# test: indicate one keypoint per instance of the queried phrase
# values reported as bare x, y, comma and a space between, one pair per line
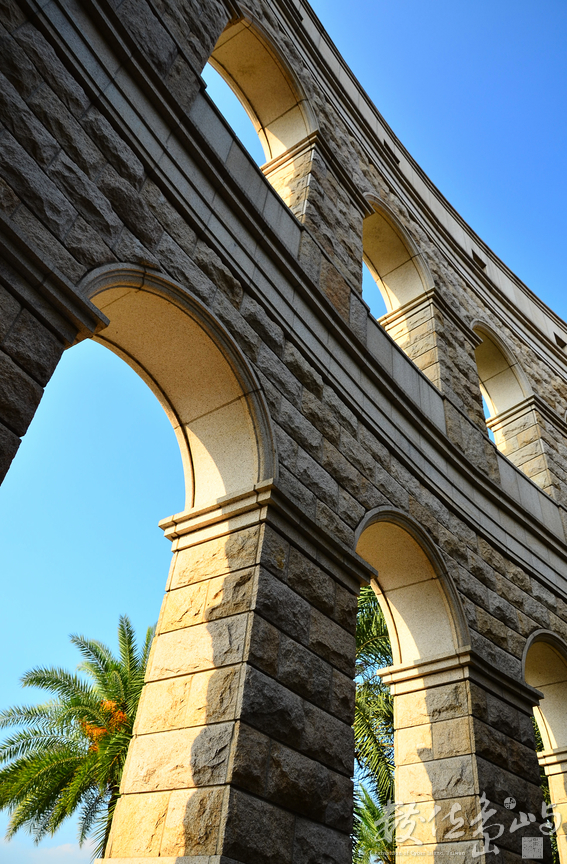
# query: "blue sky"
477, 93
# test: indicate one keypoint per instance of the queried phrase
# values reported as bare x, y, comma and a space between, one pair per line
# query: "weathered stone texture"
243, 743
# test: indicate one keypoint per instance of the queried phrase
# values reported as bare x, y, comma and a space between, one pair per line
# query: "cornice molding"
553, 761
62, 308
267, 503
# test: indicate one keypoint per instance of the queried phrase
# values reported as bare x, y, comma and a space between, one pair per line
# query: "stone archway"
267, 89
433, 743
187, 729
395, 263
545, 668
204, 385
273, 99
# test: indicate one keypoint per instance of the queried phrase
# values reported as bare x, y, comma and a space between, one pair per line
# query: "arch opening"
501, 379
395, 266
420, 607
426, 629
205, 387
233, 112
266, 88
546, 669
512, 417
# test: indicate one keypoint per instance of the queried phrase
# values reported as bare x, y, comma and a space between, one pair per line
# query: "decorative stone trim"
553, 761
430, 297
500, 421
460, 666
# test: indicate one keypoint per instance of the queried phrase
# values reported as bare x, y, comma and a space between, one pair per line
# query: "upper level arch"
502, 381
512, 415
265, 85
421, 606
199, 376
393, 259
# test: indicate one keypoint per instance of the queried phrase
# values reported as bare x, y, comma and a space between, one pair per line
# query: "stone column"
312, 180
439, 341
442, 345
243, 747
463, 745
289, 174
554, 763
532, 436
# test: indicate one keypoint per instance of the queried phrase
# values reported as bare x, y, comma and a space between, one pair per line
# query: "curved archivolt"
395, 266
198, 376
501, 379
546, 669
266, 88
422, 619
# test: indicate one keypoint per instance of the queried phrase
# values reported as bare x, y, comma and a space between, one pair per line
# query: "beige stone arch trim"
245, 56
544, 666
423, 612
503, 382
205, 385
393, 258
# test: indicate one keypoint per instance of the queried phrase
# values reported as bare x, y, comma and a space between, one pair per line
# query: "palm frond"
68, 754
57, 681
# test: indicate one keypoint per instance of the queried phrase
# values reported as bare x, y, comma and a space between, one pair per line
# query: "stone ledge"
465, 664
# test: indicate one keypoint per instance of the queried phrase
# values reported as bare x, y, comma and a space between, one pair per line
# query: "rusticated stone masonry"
321, 449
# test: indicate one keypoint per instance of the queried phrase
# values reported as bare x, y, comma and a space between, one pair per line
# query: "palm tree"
68, 754
373, 737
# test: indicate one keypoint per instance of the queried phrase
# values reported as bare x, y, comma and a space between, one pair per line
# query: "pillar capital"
230, 513
465, 664
553, 761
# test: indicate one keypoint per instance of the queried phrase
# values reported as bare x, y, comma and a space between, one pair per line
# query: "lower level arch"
189, 361
423, 612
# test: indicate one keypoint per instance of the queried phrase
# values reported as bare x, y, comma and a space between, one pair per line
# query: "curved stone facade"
322, 449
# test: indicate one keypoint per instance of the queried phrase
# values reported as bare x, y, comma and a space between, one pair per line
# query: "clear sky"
477, 94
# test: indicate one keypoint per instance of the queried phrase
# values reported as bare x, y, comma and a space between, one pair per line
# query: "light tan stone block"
413, 744
215, 557
436, 703
178, 759
195, 649
214, 696
437, 779
451, 738
192, 823
164, 705
183, 607
437, 824
229, 595
138, 825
